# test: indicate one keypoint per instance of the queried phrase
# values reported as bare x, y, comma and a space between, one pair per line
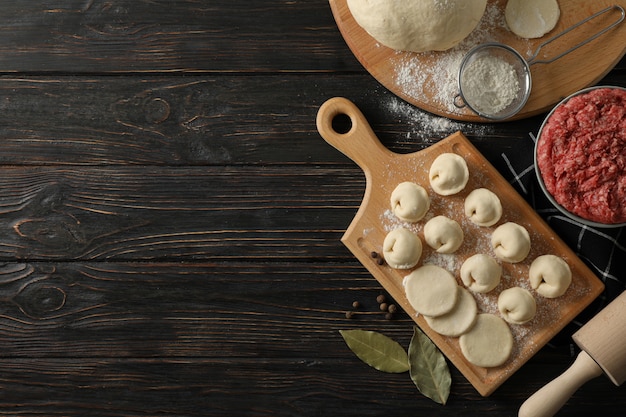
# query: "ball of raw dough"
409, 201
483, 207
488, 343
531, 18
418, 25
448, 174
550, 276
443, 234
402, 248
511, 242
431, 290
517, 305
481, 273
459, 320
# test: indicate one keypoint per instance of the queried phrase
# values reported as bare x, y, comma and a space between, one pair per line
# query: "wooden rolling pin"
603, 344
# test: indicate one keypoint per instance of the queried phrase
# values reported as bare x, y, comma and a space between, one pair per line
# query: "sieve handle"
532, 60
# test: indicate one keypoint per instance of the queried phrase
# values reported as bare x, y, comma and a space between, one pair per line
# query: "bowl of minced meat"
580, 156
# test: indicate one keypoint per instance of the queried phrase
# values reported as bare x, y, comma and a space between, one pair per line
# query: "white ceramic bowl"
540, 177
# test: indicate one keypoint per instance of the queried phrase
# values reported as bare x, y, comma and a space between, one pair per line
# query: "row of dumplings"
450, 309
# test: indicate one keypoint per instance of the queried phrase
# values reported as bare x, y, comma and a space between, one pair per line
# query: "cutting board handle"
549, 399
359, 142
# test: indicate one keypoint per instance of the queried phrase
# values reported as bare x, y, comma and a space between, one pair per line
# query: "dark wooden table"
171, 218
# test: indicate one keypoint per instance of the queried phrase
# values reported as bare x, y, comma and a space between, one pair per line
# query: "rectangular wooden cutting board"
384, 170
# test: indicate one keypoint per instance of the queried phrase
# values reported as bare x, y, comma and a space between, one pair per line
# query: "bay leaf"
377, 350
428, 368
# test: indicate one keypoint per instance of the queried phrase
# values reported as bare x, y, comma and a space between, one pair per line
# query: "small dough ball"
431, 290
402, 248
481, 273
550, 276
448, 174
418, 25
409, 201
511, 242
443, 234
517, 305
531, 18
483, 207
488, 343
459, 320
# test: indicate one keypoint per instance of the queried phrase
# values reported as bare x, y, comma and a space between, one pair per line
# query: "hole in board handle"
341, 123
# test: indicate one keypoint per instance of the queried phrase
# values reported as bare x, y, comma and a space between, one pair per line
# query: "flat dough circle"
483, 207
443, 234
460, 319
431, 290
550, 276
448, 174
517, 305
410, 202
481, 273
531, 18
511, 242
418, 25
402, 249
488, 343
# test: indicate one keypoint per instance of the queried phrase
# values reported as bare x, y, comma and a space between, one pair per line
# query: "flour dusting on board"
477, 240
441, 79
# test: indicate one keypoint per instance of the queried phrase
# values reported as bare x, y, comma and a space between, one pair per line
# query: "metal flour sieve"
517, 71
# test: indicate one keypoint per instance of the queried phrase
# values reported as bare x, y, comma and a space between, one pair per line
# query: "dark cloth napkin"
603, 250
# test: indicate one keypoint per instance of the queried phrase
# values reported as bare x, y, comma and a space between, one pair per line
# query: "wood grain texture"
170, 218
180, 213
161, 36
217, 120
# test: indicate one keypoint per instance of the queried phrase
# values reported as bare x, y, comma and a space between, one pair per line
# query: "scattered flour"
428, 127
440, 80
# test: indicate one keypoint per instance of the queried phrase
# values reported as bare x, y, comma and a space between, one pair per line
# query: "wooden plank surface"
171, 219
161, 36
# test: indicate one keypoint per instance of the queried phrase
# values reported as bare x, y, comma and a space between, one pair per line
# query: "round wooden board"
428, 80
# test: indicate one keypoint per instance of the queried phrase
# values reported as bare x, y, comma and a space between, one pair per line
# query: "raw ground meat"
581, 155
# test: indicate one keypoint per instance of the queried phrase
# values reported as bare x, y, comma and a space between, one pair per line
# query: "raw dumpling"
402, 248
483, 207
448, 174
459, 320
531, 18
511, 242
517, 305
481, 273
409, 201
431, 290
550, 276
488, 343
443, 234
